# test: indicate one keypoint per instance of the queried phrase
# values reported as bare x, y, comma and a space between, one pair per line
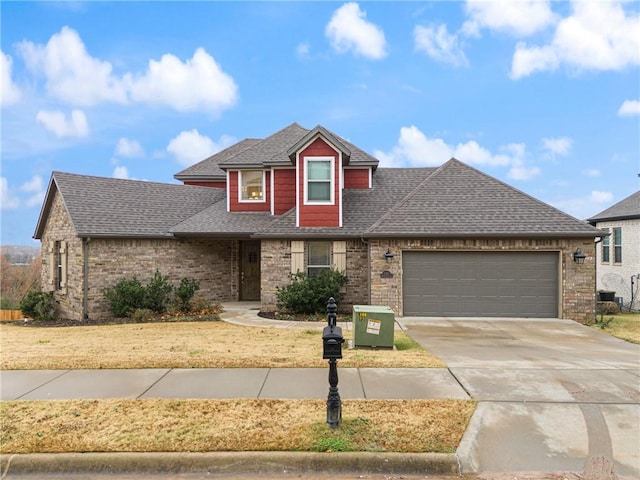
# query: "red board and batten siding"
319, 215
357, 178
284, 190
257, 206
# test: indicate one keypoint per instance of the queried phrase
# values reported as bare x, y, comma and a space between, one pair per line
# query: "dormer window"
251, 186
319, 180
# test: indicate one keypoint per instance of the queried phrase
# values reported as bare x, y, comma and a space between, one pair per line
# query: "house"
446, 241
618, 254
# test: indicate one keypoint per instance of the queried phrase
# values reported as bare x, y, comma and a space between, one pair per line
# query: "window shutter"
297, 256
52, 265
63, 261
340, 256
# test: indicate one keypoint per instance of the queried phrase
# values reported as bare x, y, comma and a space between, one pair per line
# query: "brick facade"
577, 295
214, 263
276, 270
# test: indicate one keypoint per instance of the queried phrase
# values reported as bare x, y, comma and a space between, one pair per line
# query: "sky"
544, 96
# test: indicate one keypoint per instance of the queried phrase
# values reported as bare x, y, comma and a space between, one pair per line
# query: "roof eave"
200, 178
616, 218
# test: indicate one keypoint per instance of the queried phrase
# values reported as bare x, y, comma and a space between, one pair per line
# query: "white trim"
297, 189
340, 188
264, 190
332, 180
229, 190
272, 198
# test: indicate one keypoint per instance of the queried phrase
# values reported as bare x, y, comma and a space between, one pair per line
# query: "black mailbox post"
332, 341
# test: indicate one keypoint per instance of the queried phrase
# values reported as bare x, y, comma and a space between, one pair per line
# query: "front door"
250, 270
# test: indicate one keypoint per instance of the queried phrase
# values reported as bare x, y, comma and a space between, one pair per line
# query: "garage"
483, 284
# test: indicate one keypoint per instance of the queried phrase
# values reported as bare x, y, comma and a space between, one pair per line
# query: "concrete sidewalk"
219, 383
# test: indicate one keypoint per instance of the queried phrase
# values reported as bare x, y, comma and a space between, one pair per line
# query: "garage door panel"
480, 284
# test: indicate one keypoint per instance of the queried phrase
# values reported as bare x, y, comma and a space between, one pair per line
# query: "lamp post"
332, 341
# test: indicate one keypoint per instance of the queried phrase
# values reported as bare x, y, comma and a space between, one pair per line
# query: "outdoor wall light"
388, 256
578, 256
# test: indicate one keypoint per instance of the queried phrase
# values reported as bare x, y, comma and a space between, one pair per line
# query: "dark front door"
250, 270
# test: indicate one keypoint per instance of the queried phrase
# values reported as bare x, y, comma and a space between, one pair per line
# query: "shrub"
39, 305
125, 296
157, 293
309, 294
141, 315
185, 292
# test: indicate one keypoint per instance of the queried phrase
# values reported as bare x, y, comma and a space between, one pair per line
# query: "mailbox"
332, 341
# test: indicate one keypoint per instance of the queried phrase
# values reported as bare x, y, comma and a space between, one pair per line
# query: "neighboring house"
618, 254
446, 241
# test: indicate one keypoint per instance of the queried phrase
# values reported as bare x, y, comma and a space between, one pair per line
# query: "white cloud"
190, 147
415, 149
303, 50
9, 93
35, 187
597, 36
557, 145
74, 76
129, 148
591, 172
57, 123
438, 44
197, 84
521, 18
601, 197
120, 172
348, 30
629, 108
8, 201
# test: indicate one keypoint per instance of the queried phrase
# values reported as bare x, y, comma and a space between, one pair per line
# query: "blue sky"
542, 95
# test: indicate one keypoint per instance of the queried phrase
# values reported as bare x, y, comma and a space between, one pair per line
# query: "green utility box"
373, 326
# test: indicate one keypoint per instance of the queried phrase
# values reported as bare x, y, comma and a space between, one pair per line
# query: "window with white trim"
251, 185
617, 245
606, 247
318, 257
319, 180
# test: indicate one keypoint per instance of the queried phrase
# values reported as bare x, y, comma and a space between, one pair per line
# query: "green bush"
125, 296
310, 293
39, 305
157, 293
185, 292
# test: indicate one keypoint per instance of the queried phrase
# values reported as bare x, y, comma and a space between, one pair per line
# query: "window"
318, 257
58, 256
319, 180
606, 247
251, 185
617, 245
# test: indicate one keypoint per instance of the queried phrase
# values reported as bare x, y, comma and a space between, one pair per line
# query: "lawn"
188, 345
624, 326
214, 425
231, 425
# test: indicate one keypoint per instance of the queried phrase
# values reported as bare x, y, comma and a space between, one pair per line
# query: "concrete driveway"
553, 395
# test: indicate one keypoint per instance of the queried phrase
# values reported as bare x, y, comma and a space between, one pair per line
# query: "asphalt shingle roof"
625, 209
112, 207
454, 200
458, 200
209, 166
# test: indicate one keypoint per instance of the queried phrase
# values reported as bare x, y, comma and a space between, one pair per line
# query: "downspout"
85, 283
368, 269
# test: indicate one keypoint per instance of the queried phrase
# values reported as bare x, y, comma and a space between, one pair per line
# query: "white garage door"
490, 284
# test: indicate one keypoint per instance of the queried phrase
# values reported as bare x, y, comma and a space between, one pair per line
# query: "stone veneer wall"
214, 263
577, 282
276, 269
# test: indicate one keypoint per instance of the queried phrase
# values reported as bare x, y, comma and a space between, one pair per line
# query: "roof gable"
458, 200
626, 209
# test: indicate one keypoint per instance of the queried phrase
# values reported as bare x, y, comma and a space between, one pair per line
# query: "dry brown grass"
187, 345
625, 326
230, 425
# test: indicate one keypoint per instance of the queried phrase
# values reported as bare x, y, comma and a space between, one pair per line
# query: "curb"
227, 462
